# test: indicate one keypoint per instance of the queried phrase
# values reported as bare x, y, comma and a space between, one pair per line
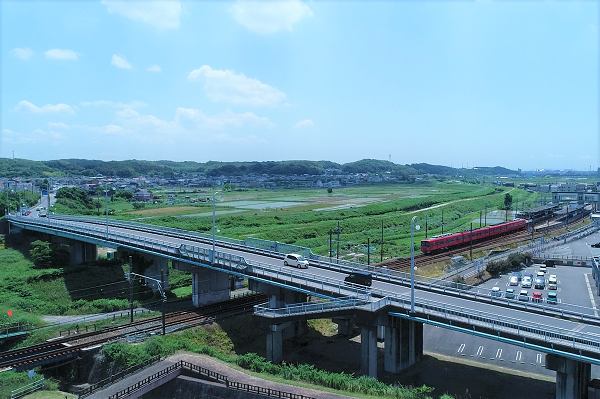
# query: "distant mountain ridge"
10, 168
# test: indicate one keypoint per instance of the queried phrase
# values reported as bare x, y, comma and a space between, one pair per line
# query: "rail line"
66, 346
517, 237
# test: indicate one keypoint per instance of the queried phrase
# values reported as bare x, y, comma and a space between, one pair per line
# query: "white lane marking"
538, 358
461, 348
499, 354
587, 281
480, 350
518, 357
578, 328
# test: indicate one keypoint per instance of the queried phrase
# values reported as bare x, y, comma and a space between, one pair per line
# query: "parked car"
514, 280
540, 283
551, 298
540, 274
543, 269
509, 294
295, 260
526, 282
523, 296
537, 297
552, 282
496, 291
517, 275
596, 245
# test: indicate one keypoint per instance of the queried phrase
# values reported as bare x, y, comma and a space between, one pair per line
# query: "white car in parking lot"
552, 282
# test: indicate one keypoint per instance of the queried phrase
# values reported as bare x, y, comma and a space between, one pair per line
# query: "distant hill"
10, 168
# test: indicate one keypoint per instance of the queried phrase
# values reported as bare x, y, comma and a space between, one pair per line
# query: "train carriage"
449, 241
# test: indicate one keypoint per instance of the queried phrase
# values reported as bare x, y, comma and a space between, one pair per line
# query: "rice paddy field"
305, 216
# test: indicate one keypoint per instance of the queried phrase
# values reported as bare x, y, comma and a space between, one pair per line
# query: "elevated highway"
570, 335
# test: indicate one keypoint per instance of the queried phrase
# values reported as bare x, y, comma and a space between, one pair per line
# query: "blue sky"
461, 83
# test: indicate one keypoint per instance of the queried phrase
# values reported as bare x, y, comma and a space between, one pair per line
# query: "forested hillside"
10, 168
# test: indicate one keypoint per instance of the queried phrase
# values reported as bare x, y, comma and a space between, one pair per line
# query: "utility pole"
131, 288
338, 230
425, 226
471, 248
368, 251
381, 241
443, 223
164, 299
330, 233
485, 216
479, 219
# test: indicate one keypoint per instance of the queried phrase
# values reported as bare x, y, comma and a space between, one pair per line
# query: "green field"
305, 216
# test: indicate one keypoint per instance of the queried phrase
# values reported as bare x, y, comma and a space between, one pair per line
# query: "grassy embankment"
460, 202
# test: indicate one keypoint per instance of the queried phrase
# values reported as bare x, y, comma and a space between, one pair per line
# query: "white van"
295, 260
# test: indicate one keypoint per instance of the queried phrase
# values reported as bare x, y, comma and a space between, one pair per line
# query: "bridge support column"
275, 343
209, 286
90, 252
76, 252
572, 376
368, 350
159, 264
403, 344
345, 325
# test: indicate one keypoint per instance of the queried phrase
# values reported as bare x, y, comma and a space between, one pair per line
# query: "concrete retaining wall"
184, 387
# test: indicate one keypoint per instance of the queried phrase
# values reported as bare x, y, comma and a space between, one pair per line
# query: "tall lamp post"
106, 202
213, 244
414, 220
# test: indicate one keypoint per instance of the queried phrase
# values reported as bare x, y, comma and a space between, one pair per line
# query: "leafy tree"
41, 253
128, 195
329, 190
138, 205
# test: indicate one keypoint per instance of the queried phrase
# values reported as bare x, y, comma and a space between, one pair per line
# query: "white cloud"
230, 87
160, 14
220, 120
60, 125
37, 136
61, 54
133, 104
29, 107
155, 68
269, 16
22, 53
303, 124
120, 62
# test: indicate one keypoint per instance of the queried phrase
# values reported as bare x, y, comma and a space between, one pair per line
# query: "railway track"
518, 237
66, 347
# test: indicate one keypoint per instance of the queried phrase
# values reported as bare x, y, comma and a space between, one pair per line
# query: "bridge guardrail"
224, 261
238, 264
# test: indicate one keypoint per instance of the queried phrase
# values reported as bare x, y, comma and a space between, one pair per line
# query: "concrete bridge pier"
158, 264
403, 344
208, 286
276, 333
80, 252
368, 350
572, 376
345, 324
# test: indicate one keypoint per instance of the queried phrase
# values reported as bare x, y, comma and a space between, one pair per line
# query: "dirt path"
448, 203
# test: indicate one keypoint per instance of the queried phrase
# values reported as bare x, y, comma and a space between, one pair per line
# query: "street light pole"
213, 243
412, 261
106, 202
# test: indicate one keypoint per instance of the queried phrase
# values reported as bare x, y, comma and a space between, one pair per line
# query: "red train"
448, 241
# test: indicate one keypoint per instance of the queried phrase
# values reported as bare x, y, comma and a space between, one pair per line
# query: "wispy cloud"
226, 86
269, 16
48, 108
155, 68
108, 103
159, 14
23, 53
60, 54
120, 62
304, 124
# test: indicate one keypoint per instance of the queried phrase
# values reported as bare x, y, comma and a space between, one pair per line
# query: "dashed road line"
461, 348
587, 281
